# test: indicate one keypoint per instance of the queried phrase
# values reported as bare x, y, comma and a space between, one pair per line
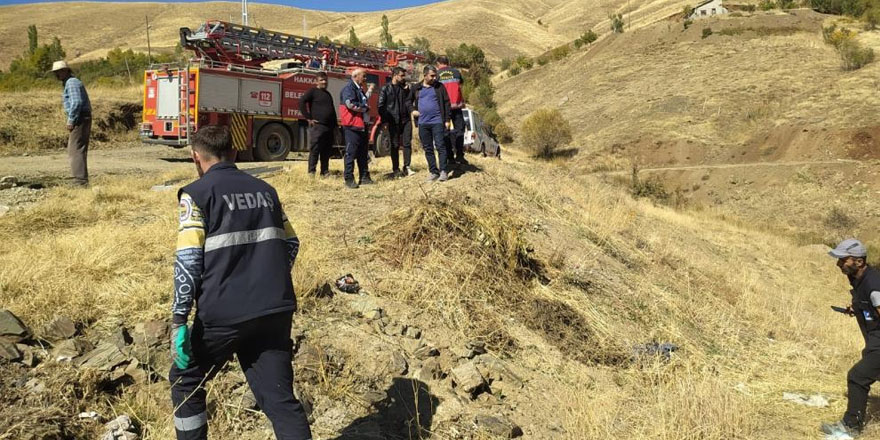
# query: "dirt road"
126, 160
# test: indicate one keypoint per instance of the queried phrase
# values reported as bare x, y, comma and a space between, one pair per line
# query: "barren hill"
505, 28
760, 88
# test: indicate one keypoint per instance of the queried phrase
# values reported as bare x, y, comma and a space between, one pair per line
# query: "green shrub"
616, 23
578, 43
687, 23
524, 62
503, 132
542, 60
767, 5
651, 188
589, 37
466, 55
515, 70
707, 32
853, 8
544, 131
687, 11
506, 63
854, 56
785, 4
872, 18
560, 52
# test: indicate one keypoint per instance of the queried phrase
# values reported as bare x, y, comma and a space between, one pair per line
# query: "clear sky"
324, 5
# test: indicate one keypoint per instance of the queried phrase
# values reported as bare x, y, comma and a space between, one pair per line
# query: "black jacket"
395, 103
866, 313
440, 91
246, 268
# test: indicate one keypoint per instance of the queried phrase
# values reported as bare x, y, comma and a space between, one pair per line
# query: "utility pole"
149, 50
244, 12
305, 30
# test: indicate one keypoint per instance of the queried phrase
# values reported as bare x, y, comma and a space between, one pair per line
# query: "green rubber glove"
181, 351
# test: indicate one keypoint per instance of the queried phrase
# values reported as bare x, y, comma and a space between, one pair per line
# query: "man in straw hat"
79, 121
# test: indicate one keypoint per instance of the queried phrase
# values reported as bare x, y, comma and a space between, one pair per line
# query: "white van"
478, 137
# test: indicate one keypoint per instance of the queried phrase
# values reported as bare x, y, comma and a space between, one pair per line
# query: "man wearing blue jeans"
354, 112
431, 107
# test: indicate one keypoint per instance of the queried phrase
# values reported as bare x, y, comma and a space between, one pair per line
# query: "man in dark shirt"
432, 109
394, 107
317, 107
852, 257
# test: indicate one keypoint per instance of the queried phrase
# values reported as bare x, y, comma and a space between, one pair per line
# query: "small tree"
616, 23
589, 37
353, 39
385, 38
687, 11
421, 44
544, 132
32, 38
853, 55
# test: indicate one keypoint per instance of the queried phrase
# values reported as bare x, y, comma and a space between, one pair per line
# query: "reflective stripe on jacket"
246, 272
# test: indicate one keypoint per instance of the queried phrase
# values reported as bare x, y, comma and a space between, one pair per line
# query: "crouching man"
235, 250
851, 258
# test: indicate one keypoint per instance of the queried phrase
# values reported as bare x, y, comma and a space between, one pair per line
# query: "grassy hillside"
761, 88
559, 275
501, 28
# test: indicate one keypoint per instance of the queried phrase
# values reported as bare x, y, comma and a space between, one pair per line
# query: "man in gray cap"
865, 280
79, 121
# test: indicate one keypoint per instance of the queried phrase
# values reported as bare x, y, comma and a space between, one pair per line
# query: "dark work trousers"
78, 150
401, 135
355, 150
432, 138
264, 351
455, 138
859, 379
320, 146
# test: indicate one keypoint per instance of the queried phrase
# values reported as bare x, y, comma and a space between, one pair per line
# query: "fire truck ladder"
244, 45
183, 120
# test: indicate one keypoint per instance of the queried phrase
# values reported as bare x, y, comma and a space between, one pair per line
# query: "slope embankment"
516, 293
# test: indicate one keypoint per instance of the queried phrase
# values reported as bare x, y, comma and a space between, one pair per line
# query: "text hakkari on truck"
227, 84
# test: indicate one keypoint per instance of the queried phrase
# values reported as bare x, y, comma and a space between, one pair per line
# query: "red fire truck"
227, 83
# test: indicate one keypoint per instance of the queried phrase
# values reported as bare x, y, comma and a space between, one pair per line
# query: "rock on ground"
59, 328
12, 327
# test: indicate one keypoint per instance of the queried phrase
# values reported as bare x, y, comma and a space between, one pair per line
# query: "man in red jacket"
452, 80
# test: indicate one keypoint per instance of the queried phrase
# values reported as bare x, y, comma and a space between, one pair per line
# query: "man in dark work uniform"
852, 258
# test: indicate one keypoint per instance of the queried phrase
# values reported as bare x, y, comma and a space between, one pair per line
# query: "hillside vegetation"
559, 276
762, 88
502, 29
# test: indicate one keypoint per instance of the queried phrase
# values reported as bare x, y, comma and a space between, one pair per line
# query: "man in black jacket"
235, 250
317, 107
432, 109
394, 108
852, 257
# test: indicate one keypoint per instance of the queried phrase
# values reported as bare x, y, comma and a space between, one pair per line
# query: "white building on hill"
708, 8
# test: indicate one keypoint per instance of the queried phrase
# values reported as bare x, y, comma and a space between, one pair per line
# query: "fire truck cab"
227, 84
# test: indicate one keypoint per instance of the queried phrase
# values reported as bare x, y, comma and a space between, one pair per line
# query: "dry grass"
624, 273
34, 121
503, 30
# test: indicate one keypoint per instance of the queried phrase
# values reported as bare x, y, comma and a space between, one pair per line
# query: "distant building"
707, 9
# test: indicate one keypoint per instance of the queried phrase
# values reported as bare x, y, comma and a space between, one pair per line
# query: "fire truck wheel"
273, 143
383, 142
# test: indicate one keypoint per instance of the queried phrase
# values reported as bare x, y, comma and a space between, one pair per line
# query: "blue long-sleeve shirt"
75, 100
